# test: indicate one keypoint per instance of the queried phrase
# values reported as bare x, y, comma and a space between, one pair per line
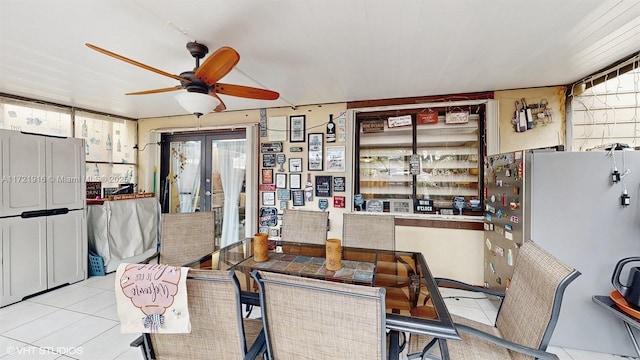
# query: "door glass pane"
185, 176
228, 159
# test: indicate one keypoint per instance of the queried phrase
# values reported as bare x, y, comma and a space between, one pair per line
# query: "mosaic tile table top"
311, 266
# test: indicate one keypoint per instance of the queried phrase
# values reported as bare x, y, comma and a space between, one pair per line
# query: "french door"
206, 172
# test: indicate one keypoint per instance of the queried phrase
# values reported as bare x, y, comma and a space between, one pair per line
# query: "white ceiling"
310, 51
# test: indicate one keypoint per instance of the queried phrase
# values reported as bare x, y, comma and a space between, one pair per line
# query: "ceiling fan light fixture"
197, 103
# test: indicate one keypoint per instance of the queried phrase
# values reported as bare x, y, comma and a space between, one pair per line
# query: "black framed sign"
295, 181
338, 183
323, 186
316, 146
281, 181
298, 197
296, 128
269, 198
268, 160
295, 164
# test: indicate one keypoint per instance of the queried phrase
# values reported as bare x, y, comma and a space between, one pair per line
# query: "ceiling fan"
202, 83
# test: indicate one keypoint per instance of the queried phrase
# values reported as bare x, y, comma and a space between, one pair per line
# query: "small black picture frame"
297, 130
295, 181
298, 197
295, 164
281, 181
315, 151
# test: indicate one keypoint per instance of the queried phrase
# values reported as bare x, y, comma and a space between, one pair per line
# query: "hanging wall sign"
338, 184
271, 147
372, 126
323, 204
339, 202
268, 160
268, 216
398, 121
323, 186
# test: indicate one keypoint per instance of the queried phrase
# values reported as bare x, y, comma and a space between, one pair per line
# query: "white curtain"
186, 167
232, 158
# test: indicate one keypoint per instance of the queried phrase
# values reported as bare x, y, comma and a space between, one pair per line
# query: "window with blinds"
604, 109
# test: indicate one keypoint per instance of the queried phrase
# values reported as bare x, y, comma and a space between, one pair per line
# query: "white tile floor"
80, 321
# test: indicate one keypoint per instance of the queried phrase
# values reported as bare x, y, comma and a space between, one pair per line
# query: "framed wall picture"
296, 128
336, 158
316, 147
298, 197
267, 176
323, 186
295, 164
277, 128
295, 181
281, 181
268, 198
339, 183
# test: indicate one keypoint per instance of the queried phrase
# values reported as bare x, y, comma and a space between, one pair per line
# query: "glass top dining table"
413, 301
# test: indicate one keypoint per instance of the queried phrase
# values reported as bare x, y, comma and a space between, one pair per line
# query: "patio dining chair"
307, 318
369, 231
304, 226
185, 237
218, 330
526, 318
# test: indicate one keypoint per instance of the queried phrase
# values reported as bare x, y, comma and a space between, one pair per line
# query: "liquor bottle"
84, 129
331, 130
109, 144
308, 189
119, 146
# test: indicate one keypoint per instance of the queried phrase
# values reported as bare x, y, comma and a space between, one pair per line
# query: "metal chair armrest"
450, 283
539, 354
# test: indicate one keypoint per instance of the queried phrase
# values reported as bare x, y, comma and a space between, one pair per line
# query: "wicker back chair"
369, 231
218, 330
308, 318
304, 226
186, 236
527, 316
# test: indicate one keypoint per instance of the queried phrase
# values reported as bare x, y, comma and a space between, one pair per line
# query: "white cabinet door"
24, 263
65, 173
23, 173
66, 248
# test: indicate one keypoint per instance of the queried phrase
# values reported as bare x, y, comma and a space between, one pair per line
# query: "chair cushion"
470, 348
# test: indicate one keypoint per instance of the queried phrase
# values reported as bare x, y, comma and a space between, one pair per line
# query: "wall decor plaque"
271, 147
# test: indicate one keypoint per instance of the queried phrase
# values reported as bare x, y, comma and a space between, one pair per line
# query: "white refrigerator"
569, 204
43, 228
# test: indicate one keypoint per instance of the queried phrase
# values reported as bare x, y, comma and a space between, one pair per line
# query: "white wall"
450, 253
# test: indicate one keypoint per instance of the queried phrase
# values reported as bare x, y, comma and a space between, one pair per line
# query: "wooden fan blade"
217, 65
136, 63
221, 106
245, 91
155, 91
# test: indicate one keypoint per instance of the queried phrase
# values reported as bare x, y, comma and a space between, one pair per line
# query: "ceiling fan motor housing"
194, 84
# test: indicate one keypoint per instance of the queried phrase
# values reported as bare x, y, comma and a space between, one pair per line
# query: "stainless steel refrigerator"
569, 203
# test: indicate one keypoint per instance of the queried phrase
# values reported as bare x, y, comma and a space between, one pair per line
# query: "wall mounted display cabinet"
420, 160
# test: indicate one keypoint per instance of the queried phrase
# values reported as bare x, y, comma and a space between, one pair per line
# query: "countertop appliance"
569, 203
